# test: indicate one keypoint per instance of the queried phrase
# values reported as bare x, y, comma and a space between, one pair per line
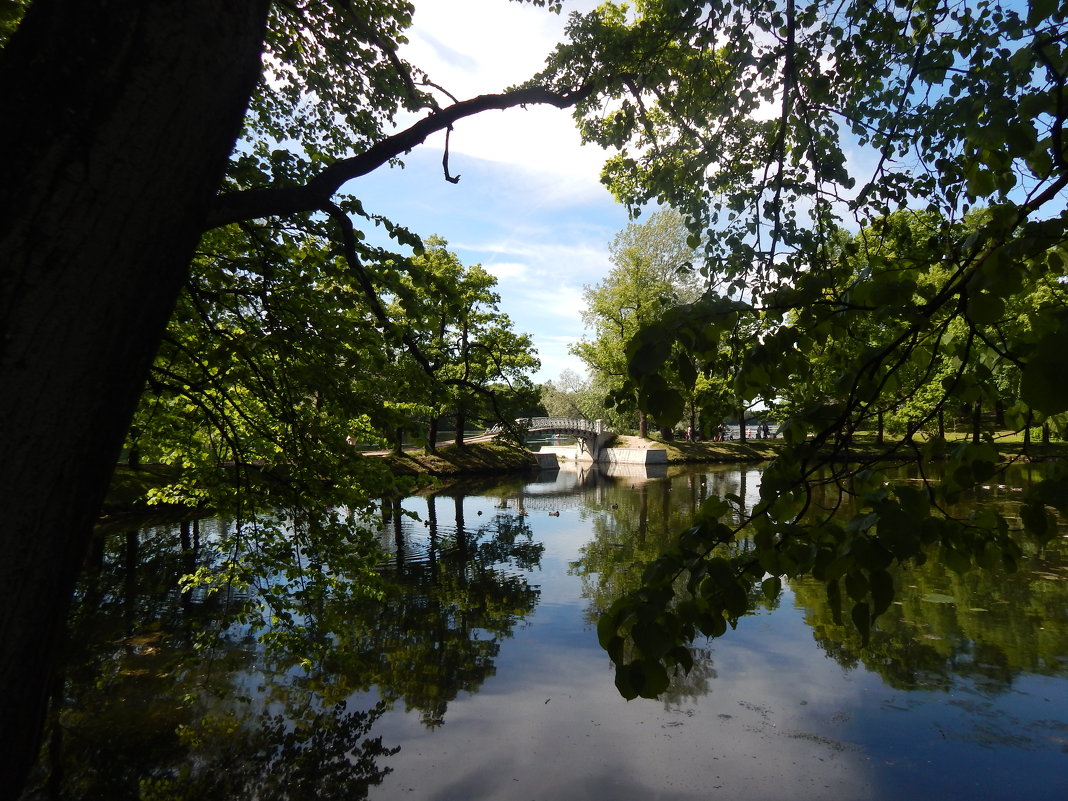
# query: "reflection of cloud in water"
551, 715
551, 725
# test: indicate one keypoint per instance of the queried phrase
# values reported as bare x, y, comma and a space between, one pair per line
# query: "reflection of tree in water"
986, 626
439, 627
326, 756
148, 708
153, 708
632, 525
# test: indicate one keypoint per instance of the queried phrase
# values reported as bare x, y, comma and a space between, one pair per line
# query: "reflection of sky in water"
779, 719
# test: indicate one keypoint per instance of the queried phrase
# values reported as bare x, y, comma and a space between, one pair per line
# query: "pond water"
477, 674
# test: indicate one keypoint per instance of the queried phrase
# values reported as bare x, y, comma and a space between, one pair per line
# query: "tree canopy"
652, 271
880, 184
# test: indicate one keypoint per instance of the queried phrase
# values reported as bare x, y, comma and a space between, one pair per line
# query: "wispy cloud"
481, 46
529, 207
507, 270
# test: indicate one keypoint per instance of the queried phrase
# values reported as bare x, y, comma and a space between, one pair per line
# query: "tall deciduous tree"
651, 272
572, 396
466, 346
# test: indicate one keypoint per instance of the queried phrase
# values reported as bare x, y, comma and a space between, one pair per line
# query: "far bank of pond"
473, 669
490, 457
498, 457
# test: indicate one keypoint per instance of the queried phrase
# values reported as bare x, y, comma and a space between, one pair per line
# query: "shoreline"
491, 457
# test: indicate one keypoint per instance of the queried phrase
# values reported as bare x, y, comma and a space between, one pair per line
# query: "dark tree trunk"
120, 115
461, 533
398, 528
667, 433
880, 431
643, 425
133, 455
432, 530
432, 435
977, 421
1045, 433
461, 421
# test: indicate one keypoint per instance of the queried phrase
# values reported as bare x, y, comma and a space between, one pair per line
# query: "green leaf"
984, 308
606, 628
1044, 383
652, 639
856, 585
712, 625
682, 657
643, 677
771, 587
834, 601
625, 683
735, 600
687, 372
712, 509
881, 584
861, 616
915, 502
666, 406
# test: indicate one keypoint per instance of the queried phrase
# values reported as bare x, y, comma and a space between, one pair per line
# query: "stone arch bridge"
592, 435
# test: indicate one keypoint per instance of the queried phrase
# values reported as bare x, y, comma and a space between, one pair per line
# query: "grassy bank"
863, 448
474, 458
680, 451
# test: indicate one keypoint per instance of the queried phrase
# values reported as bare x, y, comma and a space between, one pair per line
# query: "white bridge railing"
562, 424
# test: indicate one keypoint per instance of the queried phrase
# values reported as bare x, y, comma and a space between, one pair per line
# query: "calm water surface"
478, 675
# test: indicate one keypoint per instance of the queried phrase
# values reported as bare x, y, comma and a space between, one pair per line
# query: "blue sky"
529, 207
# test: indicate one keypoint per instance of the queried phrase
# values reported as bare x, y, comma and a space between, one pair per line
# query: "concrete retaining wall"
547, 461
608, 455
634, 456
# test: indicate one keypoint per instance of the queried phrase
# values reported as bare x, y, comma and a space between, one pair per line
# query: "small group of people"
761, 431
724, 433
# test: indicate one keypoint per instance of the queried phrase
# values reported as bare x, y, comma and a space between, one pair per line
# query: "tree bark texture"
119, 118
461, 424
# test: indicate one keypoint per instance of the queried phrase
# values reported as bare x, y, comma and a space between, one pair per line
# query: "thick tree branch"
277, 201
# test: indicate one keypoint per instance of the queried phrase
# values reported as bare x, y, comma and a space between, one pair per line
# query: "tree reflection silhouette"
167, 695
987, 626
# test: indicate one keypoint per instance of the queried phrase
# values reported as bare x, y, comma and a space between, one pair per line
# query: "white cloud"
474, 47
556, 357
564, 303
507, 270
529, 207
556, 255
